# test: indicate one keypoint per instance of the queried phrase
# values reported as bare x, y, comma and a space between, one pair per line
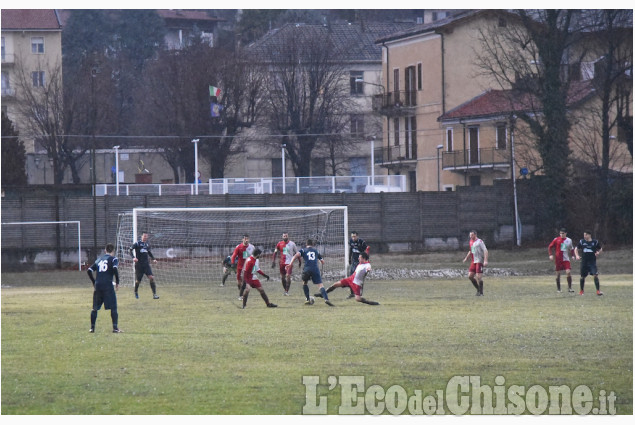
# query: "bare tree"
48, 118
176, 102
534, 53
307, 99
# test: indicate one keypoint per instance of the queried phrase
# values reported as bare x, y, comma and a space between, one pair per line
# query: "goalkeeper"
228, 268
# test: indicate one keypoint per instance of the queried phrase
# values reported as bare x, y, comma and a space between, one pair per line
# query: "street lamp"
116, 148
439, 147
372, 161
195, 141
284, 182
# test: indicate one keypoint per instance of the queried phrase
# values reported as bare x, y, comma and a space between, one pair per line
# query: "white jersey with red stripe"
360, 273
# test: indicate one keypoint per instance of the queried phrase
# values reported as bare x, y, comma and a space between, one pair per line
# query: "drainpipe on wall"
442, 74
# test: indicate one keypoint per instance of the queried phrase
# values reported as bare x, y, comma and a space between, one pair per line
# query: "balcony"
8, 59
8, 92
490, 158
396, 104
402, 156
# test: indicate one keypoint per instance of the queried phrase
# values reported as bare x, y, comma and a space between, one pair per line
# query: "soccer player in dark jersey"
228, 268
590, 249
312, 260
141, 254
252, 266
356, 246
104, 290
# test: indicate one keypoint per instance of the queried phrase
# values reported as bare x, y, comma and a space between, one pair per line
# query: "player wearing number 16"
312, 261
104, 290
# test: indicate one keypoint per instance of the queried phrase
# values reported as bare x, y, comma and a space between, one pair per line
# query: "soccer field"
194, 351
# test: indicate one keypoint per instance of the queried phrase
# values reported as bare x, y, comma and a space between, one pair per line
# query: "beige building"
32, 45
444, 125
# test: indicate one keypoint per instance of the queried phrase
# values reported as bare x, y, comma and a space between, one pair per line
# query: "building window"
357, 125
449, 138
419, 78
357, 82
501, 137
396, 126
5, 81
37, 45
473, 145
3, 50
38, 78
395, 82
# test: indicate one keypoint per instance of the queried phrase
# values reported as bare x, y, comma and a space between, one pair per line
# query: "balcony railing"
8, 58
475, 158
8, 92
397, 103
391, 154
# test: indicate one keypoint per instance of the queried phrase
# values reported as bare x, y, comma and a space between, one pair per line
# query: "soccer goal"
191, 243
43, 242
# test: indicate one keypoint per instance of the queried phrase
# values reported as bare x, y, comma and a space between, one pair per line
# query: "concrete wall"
389, 222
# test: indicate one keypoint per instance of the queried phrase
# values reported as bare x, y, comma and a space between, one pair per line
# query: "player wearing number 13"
312, 261
106, 267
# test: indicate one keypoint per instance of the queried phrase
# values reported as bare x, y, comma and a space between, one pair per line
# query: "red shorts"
357, 290
562, 265
254, 283
283, 269
476, 268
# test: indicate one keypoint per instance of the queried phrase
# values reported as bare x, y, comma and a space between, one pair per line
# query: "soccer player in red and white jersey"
356, 281
287, 250
479, 254
562, 257
239, 256
250, 281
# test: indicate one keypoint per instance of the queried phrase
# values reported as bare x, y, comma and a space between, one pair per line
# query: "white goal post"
190, 244
37, 238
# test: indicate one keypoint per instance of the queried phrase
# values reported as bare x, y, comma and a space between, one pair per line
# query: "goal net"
190, 244
35, 244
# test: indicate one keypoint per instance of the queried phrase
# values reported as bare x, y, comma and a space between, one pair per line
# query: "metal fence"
270, 185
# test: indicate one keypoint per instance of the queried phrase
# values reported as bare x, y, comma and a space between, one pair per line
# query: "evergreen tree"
13, 155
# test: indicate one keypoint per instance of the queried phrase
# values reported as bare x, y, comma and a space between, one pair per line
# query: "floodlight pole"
284, 183
195, 141
116, 148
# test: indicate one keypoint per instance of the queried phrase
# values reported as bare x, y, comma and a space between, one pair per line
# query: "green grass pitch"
194, 351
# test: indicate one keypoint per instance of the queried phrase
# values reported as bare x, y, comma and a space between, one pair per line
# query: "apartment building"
31, 46
445, 122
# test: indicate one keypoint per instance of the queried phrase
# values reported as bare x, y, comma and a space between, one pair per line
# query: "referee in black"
104, 290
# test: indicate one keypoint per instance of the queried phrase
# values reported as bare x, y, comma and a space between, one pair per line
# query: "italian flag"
214, 91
